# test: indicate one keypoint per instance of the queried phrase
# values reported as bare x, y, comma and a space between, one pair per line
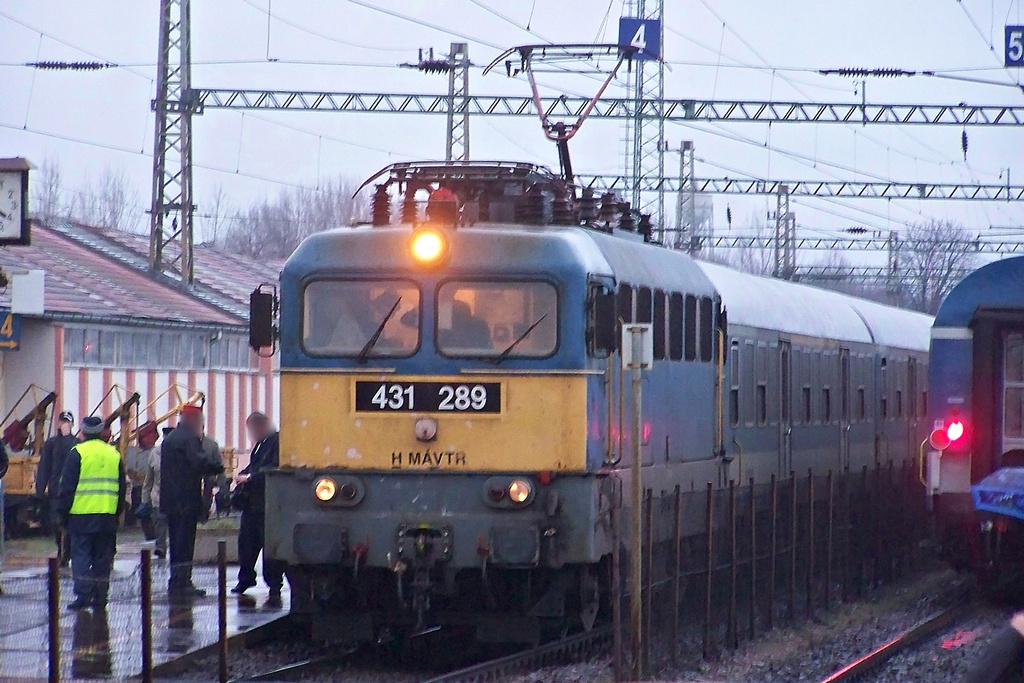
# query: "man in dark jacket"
92, 493
182, 468
51, 465
264, 456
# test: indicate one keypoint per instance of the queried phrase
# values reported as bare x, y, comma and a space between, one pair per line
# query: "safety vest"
98, 479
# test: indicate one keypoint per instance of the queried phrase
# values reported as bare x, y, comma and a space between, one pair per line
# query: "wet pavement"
96, 645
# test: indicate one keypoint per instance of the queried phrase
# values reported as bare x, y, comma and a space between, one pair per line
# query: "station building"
110, 327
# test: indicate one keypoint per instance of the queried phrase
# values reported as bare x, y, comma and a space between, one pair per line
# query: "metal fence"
769, 554
38, 633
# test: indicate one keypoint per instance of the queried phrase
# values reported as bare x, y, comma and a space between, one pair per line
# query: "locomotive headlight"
325, 489
428, 246
519, 491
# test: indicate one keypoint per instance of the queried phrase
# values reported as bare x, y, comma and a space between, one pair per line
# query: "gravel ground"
813, 650
806, 652
950, 654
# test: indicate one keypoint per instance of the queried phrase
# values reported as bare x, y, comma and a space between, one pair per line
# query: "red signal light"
955, 430
939, 439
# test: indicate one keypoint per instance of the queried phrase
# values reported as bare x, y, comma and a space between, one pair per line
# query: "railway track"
564, 651
875, 659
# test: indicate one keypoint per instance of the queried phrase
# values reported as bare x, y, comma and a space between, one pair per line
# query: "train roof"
771, 304
996, 286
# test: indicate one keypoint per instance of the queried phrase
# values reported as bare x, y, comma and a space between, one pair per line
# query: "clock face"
11, 204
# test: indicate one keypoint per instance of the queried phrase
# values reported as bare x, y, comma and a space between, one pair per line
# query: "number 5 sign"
643, 35
1014, 46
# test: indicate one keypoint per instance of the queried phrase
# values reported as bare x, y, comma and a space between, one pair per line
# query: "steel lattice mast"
645, 139
172, 208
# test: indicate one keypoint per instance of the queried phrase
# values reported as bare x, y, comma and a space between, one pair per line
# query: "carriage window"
762, 404
862, 405
659, 324
734, 384
691, 327
807, 405
624, 304
643, 305
899, 403
826, 405
507, 319
707, 329
675, 326
361, 317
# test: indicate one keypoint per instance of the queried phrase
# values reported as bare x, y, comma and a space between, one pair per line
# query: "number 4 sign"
1014, 46
643, 35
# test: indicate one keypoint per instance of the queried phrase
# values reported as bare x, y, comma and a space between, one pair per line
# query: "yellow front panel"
21, 475
542, 426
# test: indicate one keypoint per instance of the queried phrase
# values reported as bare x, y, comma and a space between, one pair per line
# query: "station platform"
97, 646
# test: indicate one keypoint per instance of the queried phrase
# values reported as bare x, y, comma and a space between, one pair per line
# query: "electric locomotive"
974, 466
455, 433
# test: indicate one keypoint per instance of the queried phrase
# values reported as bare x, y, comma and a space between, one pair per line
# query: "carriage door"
785, 408
844, 408
1013, 396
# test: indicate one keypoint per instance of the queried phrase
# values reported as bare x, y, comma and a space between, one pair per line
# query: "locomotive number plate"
428, 397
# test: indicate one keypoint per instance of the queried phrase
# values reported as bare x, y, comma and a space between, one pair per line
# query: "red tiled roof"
105, 273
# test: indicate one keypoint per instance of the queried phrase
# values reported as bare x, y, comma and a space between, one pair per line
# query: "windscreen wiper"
504, 354
365, 351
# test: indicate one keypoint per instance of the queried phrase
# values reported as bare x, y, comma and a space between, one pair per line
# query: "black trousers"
181, 542
92, 558
250, 543
60, 533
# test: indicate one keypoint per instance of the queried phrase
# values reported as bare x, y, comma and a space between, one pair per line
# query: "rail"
564, 651
876, 658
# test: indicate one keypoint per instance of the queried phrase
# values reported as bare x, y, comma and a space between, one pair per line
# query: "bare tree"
47, 193
935, 256
111, 203
215, 215
274, 228
752, 258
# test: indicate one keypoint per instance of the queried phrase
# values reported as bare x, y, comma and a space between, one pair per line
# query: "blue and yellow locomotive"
455, 423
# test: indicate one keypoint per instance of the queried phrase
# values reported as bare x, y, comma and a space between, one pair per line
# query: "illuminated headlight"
519, 491
325, 489
428, 246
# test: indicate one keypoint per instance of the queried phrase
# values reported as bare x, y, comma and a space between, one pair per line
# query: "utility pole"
785, 227
686, 213
645, 138
172, 205
893, 281
457, 148
456, 65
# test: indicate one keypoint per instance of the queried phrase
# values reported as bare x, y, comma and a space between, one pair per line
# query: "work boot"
80, 603
241, 587
274, 600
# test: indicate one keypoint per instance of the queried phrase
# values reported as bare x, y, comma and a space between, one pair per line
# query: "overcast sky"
727, 49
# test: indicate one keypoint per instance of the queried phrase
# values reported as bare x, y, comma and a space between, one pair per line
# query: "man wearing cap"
183, 464
51, 464
92, 493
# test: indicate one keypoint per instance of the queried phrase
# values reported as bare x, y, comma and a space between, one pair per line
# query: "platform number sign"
10, 330
1014, 46
643, 35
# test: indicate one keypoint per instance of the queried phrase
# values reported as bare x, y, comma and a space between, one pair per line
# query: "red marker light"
939, 439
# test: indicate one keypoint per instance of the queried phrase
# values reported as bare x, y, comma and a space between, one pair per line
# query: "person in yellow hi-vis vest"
92, 494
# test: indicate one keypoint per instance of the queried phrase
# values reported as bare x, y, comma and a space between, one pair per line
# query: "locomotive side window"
660, 314
826, 405
499, 319
675, 326
734, 382
643, 305
691, 327
624, 303
807, 404
707, 329
361, 318
862, 405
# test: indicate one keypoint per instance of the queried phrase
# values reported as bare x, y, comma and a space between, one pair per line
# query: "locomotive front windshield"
361, 318
497, 319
